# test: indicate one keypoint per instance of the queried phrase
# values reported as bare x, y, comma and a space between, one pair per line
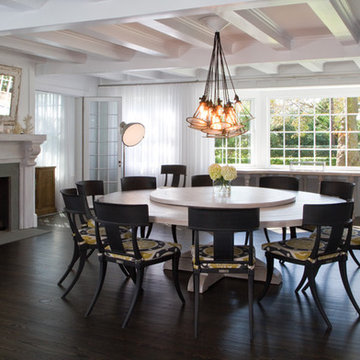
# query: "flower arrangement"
222, 175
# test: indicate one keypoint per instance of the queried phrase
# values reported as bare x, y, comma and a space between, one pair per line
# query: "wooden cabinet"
45, 190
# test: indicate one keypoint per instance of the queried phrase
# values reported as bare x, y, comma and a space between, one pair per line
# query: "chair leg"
283, 233
149, 230
351, 251
142, 232
75, 257
247, 238
311, 273
175, 274
269, 273
196, 278
124, 270
173, 230
78, 272
139, 280
132, 273
266, 235
293, 232
102, 273
344, 278
251, 303
90, 253
301, 283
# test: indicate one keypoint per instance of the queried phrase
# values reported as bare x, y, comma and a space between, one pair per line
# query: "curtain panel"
55, 117
168, 140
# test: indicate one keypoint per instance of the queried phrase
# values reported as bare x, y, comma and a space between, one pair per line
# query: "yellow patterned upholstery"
298, 249
149, 249
355, 235
206, 257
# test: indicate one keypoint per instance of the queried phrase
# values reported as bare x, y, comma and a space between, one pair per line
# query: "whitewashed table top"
275, 216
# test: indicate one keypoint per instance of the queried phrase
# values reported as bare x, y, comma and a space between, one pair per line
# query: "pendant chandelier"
217, 115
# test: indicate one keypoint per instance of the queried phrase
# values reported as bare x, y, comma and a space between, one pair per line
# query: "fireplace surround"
17, 162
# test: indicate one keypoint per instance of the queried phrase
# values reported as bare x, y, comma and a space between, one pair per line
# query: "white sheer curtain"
163, 110
55, 117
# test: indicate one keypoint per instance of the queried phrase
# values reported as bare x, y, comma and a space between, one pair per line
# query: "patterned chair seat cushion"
149, 249
355, 235
298, 249
88, 233
206, 257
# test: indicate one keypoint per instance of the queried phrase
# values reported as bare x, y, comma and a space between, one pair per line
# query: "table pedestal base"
206, 280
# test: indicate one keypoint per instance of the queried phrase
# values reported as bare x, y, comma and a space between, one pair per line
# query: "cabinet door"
102, 117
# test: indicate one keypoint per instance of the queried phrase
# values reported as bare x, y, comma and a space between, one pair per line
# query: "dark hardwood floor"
35, 324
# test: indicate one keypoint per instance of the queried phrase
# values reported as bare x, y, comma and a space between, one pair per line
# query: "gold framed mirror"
10, 78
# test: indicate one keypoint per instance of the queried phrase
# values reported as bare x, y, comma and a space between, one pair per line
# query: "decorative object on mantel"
28, 129
222, 177
216, 115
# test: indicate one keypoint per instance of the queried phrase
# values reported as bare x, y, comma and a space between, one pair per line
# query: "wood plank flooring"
36, 324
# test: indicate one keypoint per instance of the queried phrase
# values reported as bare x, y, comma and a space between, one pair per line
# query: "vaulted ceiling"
127, 42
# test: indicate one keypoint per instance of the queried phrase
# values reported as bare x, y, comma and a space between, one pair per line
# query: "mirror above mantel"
10, 78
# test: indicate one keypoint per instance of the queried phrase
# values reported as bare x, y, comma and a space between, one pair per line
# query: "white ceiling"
126, 42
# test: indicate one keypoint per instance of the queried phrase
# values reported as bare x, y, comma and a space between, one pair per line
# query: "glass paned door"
101, 141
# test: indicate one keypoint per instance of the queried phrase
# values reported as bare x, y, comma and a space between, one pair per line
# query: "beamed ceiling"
127, 42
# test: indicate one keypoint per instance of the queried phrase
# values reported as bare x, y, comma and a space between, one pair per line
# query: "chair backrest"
341, 189
75, 210
175, 171
333, 216
115, 216
279, 182
138, 183
223, 223
201, 180
90, 188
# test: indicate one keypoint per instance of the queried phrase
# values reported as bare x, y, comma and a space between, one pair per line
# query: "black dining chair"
176, 171
133, 253
83, 234
283, 183
129, 183
201, 180
312, 253
345, 191
221, 255
92, 189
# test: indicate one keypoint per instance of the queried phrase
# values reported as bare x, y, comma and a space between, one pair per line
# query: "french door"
102, 117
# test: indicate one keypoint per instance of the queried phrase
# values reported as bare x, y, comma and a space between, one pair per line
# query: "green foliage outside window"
316, 129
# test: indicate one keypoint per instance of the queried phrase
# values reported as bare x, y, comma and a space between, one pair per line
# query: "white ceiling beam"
266, 68
181, 29
316, 50
79, 42
41, 50
110, 11
134, 38
338, 18
256, 24
313, 66
23, 4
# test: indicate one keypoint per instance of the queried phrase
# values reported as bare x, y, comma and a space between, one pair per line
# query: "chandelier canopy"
217, 115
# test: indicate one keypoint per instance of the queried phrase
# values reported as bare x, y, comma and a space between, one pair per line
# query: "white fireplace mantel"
23, 149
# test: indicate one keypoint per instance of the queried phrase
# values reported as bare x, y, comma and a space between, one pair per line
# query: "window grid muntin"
331, 148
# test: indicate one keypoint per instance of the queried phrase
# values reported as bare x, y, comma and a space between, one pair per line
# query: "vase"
222, 187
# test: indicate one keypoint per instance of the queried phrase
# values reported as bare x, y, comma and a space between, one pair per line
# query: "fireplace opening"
4, 203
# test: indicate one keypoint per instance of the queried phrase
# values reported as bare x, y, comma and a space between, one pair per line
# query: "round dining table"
278, 208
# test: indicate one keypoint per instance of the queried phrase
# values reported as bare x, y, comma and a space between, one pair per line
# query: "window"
322, 130
236, 150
